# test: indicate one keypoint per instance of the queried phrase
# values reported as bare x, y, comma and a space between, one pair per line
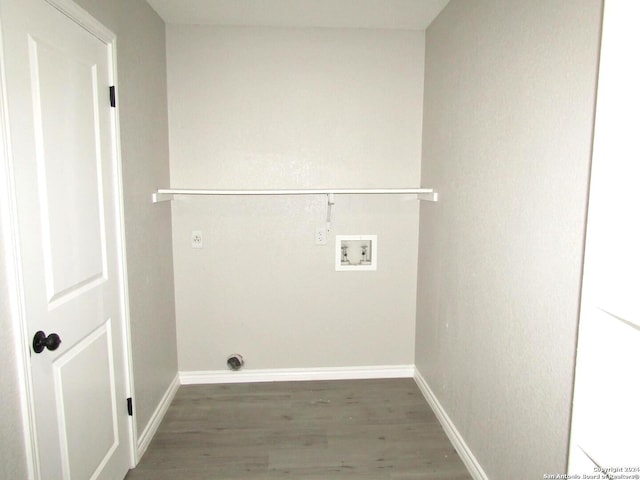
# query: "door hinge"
112, 96
130, 406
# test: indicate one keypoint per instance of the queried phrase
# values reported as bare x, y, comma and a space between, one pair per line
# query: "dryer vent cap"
235, 361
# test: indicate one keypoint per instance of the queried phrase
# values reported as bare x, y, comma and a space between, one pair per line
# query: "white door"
64, 160
606, 414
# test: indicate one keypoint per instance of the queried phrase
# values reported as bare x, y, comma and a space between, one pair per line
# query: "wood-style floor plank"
346, 429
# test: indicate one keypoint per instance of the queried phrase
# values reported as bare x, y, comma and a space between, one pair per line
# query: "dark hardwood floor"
347, 429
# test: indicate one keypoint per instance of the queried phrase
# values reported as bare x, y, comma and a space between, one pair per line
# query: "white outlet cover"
196, 239
321, 235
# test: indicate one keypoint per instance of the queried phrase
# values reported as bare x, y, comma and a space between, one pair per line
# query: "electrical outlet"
321, 235
196, 239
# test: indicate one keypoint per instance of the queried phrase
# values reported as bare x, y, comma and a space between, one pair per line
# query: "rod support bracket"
429, 197
161, 197
331, 201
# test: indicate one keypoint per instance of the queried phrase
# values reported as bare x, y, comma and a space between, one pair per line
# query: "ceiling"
388, 14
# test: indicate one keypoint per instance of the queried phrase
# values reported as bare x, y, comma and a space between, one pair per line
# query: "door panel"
64, 159
69, 168
87, 444
609, 390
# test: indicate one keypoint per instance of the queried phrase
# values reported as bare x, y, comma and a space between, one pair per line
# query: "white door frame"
8, 209
603, 312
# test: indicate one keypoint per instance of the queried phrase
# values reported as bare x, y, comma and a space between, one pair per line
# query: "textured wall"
145, 161
509, 100
293, 108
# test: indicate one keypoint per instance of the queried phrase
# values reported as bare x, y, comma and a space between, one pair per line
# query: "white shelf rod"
164, 194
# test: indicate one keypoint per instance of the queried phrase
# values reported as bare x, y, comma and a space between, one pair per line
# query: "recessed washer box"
356, 253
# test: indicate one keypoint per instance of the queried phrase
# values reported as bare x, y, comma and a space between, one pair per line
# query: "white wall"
509, 100
293, 108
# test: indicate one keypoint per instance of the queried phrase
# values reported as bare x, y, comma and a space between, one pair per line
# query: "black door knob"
42, 341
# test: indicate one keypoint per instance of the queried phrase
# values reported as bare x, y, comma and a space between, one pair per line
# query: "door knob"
42, 341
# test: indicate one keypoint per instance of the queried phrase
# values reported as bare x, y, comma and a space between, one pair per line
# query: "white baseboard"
475, 470
296, 374
154, 422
